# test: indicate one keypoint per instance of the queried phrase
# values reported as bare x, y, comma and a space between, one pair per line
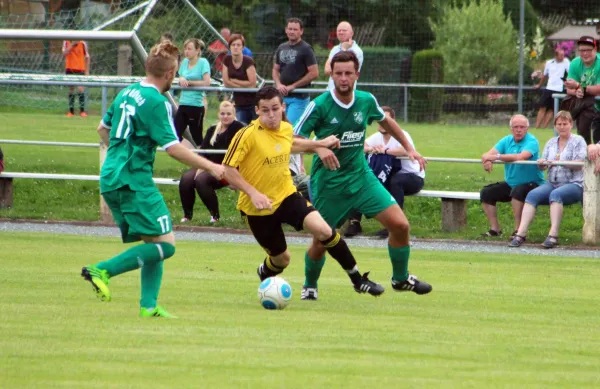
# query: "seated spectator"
519, 180
1, 161
565, 183
218, 137
239, 72
400, 177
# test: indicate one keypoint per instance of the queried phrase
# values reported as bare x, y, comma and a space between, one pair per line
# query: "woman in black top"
218, 137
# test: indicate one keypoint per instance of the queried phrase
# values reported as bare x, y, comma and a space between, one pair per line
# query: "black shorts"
76, 72
501, 192
546, 100
267, 229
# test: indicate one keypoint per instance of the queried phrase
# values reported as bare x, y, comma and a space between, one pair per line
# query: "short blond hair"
163, 57
563, 115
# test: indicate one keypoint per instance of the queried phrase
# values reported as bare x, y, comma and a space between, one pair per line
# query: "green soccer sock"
151, 280
132, 259
312, 271
399, 257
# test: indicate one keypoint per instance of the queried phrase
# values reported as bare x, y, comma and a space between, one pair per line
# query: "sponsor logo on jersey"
358, 117
351, 136
276, 160
334, 121
278, 147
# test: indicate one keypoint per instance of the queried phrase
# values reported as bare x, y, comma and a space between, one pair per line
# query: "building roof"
574, 31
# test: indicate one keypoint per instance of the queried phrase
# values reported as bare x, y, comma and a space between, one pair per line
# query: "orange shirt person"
77, 61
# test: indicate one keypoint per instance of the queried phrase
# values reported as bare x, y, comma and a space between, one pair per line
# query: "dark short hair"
345, 56
167, 35
235, 37
386, 108
267, 93
295, 20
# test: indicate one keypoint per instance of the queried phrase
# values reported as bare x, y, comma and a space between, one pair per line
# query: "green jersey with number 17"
327, 115
139, 120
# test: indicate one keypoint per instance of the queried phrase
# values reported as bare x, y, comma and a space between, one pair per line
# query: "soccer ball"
274, 293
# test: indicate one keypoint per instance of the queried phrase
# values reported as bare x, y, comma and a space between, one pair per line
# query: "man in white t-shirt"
400, 177
555, 72
344, 34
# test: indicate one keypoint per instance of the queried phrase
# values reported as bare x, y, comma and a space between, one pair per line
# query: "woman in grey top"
565, 183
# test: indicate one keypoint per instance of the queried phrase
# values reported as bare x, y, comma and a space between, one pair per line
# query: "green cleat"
156, 312
99, 280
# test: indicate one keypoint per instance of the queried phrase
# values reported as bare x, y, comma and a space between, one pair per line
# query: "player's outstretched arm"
185, 156
233, 176
301, 145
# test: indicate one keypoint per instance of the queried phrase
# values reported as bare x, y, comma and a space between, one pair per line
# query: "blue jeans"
294, 108
245, 113
546, 194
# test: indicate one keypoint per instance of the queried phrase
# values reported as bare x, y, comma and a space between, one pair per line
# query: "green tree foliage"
478, 42
427, 68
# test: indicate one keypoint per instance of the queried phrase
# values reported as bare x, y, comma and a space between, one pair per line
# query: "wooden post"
105, 214
454, 214
6, 192
591, 204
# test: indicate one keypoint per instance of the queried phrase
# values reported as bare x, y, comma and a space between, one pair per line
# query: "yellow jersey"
262, 157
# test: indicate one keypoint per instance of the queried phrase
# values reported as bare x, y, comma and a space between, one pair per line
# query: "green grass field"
492, 321
47, 199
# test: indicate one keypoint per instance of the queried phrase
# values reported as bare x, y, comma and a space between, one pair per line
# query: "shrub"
427, 68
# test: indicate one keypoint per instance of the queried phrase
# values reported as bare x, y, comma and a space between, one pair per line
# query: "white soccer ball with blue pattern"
274, 293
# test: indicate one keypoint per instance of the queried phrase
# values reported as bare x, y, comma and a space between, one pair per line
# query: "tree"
478, 42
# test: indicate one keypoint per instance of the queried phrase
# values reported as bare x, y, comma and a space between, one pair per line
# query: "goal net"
22, 58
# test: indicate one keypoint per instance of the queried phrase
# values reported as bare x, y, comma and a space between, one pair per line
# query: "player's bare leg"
394, 220
327, 239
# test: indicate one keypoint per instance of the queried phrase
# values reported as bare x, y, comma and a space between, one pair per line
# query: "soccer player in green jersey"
136, 123
341, 180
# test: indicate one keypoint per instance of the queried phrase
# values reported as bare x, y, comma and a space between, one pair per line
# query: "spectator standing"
519, 180
77, 62
218, 137
344, 34
565, 183
193, 71
1, 161
555, 72
239, 72
295, 67
220, 50
583, 80
400, 177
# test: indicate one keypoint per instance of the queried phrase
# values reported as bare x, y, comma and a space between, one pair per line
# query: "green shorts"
370, 200
138, 213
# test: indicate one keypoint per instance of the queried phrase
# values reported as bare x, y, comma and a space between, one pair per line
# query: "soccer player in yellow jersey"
257, 164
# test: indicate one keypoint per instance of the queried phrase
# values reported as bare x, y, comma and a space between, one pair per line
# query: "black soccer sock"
71, 103
338, 249
268, 269
82, 102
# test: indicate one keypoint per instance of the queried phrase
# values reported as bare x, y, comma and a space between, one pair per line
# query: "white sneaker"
185, 220
213, 220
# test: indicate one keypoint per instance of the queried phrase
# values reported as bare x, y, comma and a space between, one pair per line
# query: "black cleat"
368, 286
261, 275
353, 229
308, 293
412, 284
